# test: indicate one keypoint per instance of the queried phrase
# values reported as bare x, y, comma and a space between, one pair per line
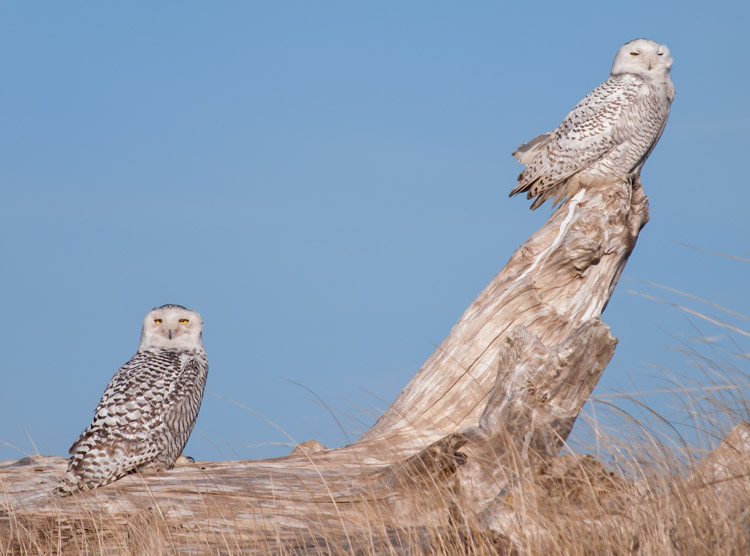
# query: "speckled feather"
607, 136
144, 418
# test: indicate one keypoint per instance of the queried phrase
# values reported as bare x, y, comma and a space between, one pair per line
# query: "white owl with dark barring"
149, 408
609, 135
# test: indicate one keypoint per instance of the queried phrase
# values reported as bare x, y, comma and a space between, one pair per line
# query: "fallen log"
500, 394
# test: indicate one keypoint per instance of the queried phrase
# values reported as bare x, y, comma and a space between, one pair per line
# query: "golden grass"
657, 486
648, 499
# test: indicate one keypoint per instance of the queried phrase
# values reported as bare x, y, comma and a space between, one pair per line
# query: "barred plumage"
149, 408
609, 135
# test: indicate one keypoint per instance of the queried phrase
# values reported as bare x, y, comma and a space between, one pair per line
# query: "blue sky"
326, 183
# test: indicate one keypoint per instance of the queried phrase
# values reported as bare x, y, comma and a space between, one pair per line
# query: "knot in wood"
583, 245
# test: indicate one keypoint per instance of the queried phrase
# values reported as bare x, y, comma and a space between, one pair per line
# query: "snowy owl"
609, 135
148, 410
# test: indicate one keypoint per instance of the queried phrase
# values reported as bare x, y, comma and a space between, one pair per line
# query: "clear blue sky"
326, 183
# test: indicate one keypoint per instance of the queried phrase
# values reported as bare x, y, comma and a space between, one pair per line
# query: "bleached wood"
557, 280
505, 386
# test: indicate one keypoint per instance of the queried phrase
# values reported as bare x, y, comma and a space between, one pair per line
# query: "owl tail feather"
529, 151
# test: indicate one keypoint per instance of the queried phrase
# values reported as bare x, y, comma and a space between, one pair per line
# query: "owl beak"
169, 333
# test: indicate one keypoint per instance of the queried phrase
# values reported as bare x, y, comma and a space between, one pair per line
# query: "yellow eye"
634, 53
157, 321
184, 321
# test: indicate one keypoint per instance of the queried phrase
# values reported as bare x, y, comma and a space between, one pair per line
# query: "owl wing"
183, 400
120, 437
587, 134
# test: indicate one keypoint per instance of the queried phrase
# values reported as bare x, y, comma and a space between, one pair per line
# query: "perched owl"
148, 410
609, 135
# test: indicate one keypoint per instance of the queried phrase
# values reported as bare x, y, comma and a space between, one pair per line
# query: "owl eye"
184, 321
634, 53
157, 321
660, 54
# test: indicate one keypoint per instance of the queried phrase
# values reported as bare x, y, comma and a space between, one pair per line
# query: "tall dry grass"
644, 483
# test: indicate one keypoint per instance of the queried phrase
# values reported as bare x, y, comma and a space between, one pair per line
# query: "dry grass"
657, 486
649, 499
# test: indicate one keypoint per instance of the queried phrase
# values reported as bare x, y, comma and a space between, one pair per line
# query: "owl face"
171, 326
642, 57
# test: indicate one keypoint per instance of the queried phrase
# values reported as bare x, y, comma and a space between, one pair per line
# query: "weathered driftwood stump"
501, 393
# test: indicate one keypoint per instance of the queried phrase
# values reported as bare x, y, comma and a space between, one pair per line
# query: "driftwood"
501, 393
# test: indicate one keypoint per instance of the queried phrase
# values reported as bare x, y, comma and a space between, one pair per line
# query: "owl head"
171, 326
642, 57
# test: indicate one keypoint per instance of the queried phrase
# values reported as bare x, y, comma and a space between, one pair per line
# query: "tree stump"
501, 393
